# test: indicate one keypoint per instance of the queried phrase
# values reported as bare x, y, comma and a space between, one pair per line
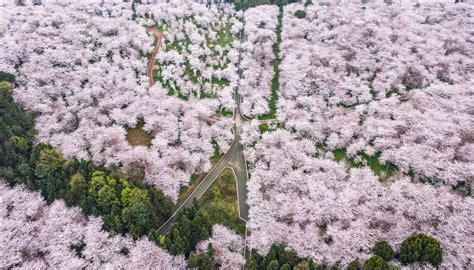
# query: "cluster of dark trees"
203, 261
420, 248
126, 206
279, 258
189, 228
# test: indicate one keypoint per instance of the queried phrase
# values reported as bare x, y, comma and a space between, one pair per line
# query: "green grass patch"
220, 82
223, 112
263, 127
341, 155
220, 202
382, 170
161, 27
224, 37
137, 136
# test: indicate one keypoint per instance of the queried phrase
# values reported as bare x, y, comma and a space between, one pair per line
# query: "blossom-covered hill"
373, 136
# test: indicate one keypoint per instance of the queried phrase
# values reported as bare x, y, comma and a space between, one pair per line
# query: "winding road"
151, 64
233, 158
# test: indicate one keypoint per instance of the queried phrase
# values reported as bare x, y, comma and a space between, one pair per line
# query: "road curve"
151, 63
234, 158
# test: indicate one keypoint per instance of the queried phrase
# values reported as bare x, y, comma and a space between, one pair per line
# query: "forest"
353, 120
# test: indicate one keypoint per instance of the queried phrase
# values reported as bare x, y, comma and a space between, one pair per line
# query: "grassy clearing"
223, 112
220, 202
137, 136
341, 155
276, 72
383, 171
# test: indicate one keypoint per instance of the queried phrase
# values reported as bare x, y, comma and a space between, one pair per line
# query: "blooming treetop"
80, 68
34, 235
228, 247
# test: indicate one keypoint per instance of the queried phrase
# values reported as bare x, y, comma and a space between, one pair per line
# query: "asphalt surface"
234, 159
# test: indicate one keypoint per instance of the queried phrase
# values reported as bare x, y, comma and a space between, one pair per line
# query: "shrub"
375, 263
384, 250
354, 265
5, 86
421, 248
4, 76
300, 14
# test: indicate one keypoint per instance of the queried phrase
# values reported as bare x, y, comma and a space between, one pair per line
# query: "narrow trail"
151, 64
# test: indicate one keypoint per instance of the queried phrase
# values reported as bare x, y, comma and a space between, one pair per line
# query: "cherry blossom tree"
228, 247
324, 210
411, 60
257, 57
80, 68
40, 236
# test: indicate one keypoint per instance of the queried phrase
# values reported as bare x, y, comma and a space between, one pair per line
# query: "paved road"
233, 158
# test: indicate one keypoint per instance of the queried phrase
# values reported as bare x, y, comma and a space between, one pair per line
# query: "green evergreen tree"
421, 248
273, 265
206, 263
210, 250
193, 260
304, 265
354, 265
375, 263
384, 250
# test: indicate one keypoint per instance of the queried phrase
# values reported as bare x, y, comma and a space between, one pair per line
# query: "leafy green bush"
354, 265
4, 76
421, 248
5, 86
300, 14
383, 250
375, 263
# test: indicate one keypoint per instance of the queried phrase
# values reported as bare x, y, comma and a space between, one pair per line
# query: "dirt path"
151, 64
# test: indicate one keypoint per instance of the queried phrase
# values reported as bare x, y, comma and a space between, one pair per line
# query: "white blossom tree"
228, 247
34, 235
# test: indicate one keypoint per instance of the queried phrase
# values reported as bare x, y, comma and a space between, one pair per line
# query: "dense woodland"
127, 207
359, 146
